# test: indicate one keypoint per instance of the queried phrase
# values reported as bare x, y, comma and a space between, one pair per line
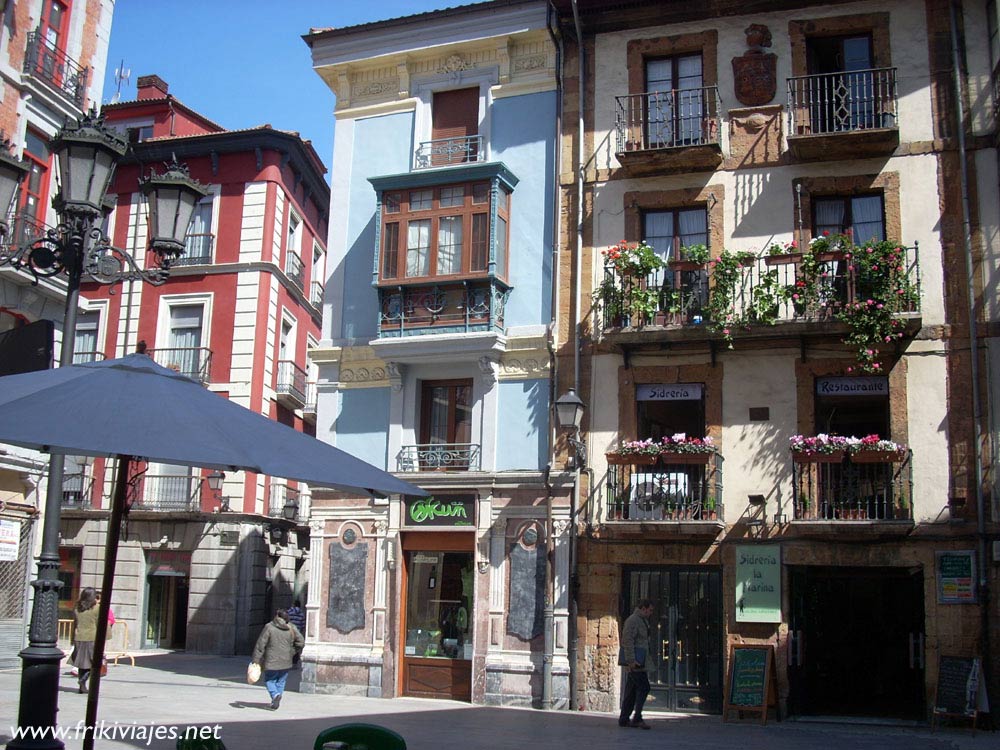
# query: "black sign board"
957, 691
751, 684
440, 510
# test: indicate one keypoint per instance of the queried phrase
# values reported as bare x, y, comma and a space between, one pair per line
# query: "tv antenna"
122, 75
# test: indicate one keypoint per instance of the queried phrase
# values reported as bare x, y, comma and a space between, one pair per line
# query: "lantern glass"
569, 410
87, 153
215, 480
289, 510
172, 198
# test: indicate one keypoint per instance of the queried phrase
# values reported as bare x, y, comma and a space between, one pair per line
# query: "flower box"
631, 459
782, 259
686, 265
831, 256
686, 458
802, 457
878, 457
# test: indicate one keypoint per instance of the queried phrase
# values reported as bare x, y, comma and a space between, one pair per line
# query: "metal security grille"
13, 597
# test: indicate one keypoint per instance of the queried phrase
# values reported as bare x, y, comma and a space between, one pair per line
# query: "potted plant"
872, 449
626, 292
708, 509
635, 453
782, 254
681, 449
822, 448
691, 258
828, 248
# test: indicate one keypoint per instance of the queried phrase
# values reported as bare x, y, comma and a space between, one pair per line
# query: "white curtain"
449, 255
185, 337
693, 227
418, 245
659, 233
867, 216
829, 216
690, 101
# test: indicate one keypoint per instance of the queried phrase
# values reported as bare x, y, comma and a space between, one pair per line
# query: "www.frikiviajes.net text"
134, 732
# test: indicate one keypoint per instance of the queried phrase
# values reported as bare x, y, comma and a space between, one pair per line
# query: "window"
446, 412
184, 340
34, 189
863, 216
52, 34
199, 239
85, 347
293, 258
659, 418
845, 93
668, 231
675, 101
139, 133
454, 125
442, 231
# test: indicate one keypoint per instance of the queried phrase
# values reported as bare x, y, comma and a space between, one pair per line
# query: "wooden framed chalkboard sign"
751, 684
958, 689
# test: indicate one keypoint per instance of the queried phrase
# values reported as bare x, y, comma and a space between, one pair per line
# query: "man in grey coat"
279, 644
634, 651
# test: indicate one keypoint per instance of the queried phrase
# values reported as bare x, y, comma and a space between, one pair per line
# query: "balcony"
843, 115
443, 152
460, 306
439, 457
316, 294
191, 362
167, 492
861, 487
309, 407
82, 358
766, 296
291, 385
76, 490
282, 495
46, 62
681, 487
668, 131
294, 269
197, 251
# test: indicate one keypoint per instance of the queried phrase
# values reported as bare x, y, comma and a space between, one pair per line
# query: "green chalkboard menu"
958, 686
751, 684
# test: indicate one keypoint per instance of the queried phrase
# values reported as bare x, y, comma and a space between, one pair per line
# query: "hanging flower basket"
804, 457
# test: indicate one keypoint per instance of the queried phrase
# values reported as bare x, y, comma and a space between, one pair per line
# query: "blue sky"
241, 63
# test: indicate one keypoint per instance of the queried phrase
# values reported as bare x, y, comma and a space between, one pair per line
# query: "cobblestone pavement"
176, 689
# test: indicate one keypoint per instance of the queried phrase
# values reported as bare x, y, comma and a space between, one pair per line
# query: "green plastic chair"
358, 736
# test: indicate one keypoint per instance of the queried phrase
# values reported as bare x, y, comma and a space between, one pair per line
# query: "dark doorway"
685, 654
166, 610
857, 642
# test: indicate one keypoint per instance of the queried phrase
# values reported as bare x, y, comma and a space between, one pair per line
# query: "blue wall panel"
522, 137
382, 145
522, 432
363, 425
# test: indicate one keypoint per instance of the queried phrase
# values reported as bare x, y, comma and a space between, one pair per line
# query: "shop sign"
10, 539
956, 575
758, 583
860, 386
448, 510
669, 392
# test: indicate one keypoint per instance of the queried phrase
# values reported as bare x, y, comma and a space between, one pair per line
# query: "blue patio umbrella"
134, 409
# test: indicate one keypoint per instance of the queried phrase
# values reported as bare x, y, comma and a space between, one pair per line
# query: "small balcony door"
675, 101
52, 31
185, 339
845, 97
446, 417
454, 122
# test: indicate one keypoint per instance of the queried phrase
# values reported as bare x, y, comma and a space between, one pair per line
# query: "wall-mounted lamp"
290, 510
569, 415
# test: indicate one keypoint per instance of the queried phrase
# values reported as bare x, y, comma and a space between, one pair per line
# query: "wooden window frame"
847, 198
44, 167
425, 406
675, 211
403, 215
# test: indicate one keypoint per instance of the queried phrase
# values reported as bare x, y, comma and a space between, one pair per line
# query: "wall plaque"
755, 72
527, 591
345, 608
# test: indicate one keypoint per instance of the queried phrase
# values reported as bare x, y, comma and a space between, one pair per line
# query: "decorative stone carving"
317, 528
380, 526
455, 64
394, 370
755, 72
376, 88
489, 367
559, 526
527, 64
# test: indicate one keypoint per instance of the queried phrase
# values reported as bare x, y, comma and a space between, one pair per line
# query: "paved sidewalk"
183, 689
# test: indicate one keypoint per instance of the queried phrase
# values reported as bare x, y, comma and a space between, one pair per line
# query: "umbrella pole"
110, 558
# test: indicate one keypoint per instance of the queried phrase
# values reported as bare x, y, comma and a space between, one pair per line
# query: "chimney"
151, 87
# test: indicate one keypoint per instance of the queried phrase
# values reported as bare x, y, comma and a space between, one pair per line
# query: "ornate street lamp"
569, 414
290, 509
87, 153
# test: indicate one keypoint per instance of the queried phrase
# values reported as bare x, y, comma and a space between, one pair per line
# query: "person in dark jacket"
635, 647
278, 645
85, 613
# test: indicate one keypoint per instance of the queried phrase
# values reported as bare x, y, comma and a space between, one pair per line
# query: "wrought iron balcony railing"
668, 119
291, 381
294, 269
309, 407
45, 61
316, 293
197, 250
167, 492
682, 296
76, 490
677, 487
863, 487
444, 151
82, 358
854, 100
445, 307
282, 495
192, 362
439, 457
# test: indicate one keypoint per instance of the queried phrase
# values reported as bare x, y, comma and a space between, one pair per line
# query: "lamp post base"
39, 678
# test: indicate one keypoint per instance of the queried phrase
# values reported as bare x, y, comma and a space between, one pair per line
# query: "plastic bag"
253, 672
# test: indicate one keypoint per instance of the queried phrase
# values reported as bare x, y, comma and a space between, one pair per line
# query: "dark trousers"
636, 690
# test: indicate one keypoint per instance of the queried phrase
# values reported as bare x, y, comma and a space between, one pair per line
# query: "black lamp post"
87, 153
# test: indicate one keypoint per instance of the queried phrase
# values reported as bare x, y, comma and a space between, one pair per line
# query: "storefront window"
439, 605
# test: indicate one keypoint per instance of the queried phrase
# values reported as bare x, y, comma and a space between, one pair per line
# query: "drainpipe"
977, 417
548, 616
578, 255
